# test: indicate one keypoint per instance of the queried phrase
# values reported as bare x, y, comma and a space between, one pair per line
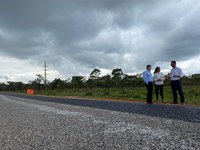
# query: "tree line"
117, 79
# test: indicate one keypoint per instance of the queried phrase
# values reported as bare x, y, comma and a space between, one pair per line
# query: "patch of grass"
89, 93
192, 93
105, 93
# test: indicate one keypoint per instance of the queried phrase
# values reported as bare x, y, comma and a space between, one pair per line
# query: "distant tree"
138, 82
77, 81
39, 78
14, 86
11, 86
20, 86
106, 81
93, 80
117, 76
95, 74
128, 80
3, 87
37, 83
57, 84
117, 73
191, 80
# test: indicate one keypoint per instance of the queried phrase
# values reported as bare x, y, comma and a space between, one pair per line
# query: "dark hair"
148, 66
156, 70
173, 61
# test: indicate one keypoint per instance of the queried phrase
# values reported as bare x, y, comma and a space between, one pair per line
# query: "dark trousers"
177, 86
159, 89
149, 92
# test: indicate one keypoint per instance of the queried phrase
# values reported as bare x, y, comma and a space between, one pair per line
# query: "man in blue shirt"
148, 80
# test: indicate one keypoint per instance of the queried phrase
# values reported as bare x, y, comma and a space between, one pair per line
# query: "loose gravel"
54, 123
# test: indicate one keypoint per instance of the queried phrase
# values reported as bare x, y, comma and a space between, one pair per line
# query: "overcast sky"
76, 36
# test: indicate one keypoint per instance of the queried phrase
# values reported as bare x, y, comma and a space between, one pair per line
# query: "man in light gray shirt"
175, 75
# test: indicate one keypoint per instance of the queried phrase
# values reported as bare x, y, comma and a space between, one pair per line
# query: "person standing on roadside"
175, 75
159, 81
148, 80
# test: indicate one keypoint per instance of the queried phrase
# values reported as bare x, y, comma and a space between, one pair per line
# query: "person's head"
173, 63
148, 67
157, 70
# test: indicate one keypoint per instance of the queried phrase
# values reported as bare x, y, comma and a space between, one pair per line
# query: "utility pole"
6, 79
45, 74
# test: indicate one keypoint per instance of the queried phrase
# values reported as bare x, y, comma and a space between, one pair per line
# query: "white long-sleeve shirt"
175, 72
159, 77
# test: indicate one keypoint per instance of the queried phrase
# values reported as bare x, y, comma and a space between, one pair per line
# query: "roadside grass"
192, 93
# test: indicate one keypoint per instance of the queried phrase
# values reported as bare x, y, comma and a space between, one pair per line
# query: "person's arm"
163, 77
180, 73
145, 77
171, 75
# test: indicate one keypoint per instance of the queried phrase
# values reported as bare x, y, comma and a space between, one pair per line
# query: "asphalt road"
33, 122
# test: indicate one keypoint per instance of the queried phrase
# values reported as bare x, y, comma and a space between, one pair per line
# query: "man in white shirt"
175, 75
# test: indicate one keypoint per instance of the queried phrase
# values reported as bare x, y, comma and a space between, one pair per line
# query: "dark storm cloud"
183, 45
84, 34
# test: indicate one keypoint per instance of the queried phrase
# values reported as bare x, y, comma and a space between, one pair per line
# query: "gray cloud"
80, 35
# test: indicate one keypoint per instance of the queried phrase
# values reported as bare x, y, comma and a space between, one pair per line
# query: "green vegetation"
192, 93
115, 86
